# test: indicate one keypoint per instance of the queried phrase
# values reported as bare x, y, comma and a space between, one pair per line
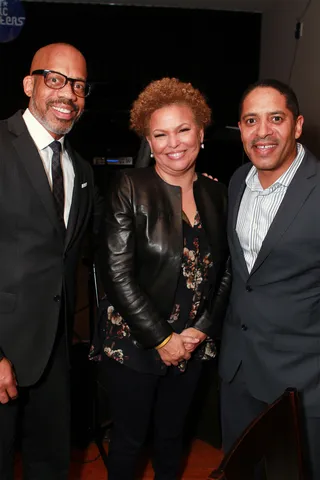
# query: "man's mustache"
264, 140
62, 102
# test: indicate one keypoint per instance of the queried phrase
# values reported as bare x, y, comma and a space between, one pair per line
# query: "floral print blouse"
114, 332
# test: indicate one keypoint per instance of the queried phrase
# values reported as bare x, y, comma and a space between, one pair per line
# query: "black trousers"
41, 415
239, 408
135, 399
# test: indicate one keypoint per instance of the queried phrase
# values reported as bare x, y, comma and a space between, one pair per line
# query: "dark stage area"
127, 47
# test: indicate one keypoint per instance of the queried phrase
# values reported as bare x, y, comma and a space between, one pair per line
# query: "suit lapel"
298, 191
233, 236
210, 219
78, 208
29, 157
74, 209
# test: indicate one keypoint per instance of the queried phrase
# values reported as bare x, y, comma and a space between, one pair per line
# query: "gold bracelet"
165, 341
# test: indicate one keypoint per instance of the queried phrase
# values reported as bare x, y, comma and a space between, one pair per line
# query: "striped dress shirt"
259, 206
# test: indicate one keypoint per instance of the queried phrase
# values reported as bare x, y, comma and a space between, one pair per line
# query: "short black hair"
291, 98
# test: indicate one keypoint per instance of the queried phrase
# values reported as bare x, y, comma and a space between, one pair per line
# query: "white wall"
276, 56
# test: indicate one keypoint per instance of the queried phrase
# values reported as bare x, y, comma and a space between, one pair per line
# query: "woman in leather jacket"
161, 260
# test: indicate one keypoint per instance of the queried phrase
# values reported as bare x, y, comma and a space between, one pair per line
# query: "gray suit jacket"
273, 321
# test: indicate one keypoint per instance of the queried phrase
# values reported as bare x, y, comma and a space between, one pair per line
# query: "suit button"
249, 288
57, 298
244, 327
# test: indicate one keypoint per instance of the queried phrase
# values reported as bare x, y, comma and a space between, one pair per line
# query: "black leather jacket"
141, 251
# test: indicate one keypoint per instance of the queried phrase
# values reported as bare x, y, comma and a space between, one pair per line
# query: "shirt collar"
253, 182
39, 134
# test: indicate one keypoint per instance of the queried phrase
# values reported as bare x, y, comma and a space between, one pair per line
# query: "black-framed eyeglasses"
57, 80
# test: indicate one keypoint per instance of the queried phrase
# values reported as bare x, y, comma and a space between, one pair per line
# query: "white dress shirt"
42, 140
259, 207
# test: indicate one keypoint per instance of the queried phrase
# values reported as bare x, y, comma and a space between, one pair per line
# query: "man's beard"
61, 126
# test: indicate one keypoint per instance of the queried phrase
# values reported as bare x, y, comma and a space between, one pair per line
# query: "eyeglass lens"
57, 80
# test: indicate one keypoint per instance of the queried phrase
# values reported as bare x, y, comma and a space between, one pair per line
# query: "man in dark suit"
271, 334
48, 200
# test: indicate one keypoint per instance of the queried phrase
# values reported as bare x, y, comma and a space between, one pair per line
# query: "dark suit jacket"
273, 321
38, 265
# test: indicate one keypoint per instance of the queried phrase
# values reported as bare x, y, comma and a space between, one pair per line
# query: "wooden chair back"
270, 444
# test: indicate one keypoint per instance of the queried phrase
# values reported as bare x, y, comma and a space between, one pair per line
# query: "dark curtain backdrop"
126, 48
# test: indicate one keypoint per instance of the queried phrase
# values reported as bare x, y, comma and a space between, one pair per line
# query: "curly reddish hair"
164, 92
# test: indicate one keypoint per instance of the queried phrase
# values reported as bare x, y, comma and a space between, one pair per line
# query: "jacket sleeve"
98, 211
211, 320
118, 267
91, 244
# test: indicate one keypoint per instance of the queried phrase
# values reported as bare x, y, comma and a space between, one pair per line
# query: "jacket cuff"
154, 338
164, 343
204, 323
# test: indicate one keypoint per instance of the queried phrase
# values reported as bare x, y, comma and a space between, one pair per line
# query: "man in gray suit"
271, 334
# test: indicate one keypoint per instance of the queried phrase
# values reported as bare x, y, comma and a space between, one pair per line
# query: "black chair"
271, 445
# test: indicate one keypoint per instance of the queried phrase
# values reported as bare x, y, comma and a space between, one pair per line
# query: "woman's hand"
193, 333
210, 176
175, 351
8, 383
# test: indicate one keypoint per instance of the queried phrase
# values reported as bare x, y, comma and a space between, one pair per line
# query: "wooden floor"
88, 465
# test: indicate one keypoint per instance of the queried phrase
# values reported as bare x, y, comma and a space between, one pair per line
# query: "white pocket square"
83, 185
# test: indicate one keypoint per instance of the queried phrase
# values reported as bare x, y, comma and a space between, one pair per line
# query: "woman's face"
174, 138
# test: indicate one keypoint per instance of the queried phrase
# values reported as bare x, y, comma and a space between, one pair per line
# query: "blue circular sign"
12, 18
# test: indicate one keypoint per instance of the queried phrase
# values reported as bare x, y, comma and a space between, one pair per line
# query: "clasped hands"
8, 383
180, 346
